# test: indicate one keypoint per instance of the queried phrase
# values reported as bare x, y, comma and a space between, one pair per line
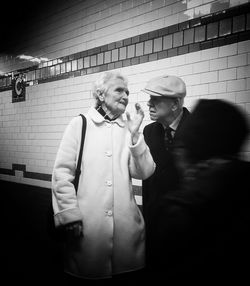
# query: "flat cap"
166, 86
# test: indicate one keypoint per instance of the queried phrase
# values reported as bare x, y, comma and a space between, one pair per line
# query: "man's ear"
175, 104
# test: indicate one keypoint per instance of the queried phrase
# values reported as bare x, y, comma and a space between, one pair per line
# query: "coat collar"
96, 117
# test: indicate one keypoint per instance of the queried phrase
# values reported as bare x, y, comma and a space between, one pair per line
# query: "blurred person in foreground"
204, 226
103, 221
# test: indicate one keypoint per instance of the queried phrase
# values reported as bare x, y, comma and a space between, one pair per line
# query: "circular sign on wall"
18, 88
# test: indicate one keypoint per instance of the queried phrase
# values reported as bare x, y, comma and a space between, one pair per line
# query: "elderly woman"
107, 224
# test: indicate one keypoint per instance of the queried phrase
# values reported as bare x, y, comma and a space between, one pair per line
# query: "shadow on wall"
27, 251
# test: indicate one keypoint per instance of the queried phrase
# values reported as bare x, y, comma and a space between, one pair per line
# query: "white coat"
113, 226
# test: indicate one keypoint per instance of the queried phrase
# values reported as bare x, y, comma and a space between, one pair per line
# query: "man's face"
160, 108
116, 96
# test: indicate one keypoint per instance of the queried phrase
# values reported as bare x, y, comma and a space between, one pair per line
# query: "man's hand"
135, 123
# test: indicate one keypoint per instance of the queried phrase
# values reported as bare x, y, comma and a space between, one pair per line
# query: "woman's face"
116, 96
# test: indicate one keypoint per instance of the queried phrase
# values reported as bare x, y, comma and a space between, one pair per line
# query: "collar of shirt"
175, 123
104, 114
98, 118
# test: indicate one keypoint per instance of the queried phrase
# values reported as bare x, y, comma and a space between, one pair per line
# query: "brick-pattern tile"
219, 29
115, 55
239, 23
148, 47
158, 44
167, 42
212, 30
122, 53
199, 33
225, 27
139, 49
188, 36
107, 57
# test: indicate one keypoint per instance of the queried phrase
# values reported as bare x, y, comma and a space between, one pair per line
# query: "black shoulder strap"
78, 168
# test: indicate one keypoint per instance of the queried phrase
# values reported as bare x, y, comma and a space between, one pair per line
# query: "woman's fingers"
137, 106
139, 109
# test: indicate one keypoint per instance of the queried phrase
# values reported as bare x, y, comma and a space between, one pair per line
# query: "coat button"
108, 153
109, 183
110, 213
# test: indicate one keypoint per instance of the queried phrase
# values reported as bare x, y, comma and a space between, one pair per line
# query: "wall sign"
18, 88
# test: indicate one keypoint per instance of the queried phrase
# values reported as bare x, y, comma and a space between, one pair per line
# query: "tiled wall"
77, 25
211, 54
212, 30
31, 130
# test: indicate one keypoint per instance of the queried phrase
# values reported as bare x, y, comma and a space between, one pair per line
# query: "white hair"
101, 84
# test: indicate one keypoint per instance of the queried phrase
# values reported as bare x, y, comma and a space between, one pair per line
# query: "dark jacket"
206, 229
164, 179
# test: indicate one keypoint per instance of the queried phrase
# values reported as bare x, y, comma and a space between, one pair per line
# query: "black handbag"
58, 233
78, 167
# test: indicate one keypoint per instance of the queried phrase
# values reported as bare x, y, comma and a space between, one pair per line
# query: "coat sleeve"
141, 164
64, 199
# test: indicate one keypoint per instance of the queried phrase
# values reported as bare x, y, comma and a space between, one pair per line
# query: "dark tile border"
7, 172
37, 176
26, 174
206, 32
45, 177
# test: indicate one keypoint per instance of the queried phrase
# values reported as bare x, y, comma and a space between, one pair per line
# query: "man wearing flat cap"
166, 98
